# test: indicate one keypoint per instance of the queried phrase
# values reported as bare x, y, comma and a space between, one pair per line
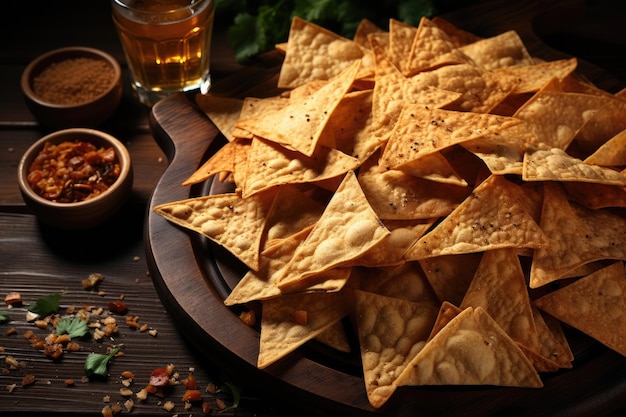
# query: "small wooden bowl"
59, 114
82, 214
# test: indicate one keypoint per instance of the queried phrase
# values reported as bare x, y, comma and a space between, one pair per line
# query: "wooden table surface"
36, 260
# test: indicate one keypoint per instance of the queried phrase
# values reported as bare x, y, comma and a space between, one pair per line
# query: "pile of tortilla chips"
450, 200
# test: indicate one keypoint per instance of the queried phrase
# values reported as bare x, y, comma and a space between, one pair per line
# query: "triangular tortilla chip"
364, 28
270, 165
450, 275
397, 195
556, 165
233, 222
290, 321
471, 350
594, 304
431, 48
447, 311
492, 217
223, 161
391, 332
421, 131
596, 196
315, 53
335, 337
401, 37
223, 111
503, 50
556, 117
459, 36
499, 286
578, 236
534, 77
611, 153
300, 125
347, 229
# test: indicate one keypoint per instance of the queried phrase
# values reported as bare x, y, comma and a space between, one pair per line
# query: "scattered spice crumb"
28, 379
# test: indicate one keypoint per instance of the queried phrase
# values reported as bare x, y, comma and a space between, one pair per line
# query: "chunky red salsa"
74, 171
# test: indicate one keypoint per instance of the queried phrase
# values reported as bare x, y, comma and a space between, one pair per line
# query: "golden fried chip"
405, 282
611, 153
447, 311
556, 165
300, 125
431, 48
290, 321
535, 76
347, 229
459, 36
391, 332
596, 196
270, 165
606, 123
315, 53
556, 117
222, 161
491, 217
503, 50
499, 286
223, 111
364, 28
554, 351
577, 236
335, 337
231, 221
397, 195
421, 131
401, 37
594, 304
481, 90
471, 350
450, 275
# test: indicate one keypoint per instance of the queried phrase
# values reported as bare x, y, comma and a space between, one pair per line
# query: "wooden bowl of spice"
75, 178
72, 87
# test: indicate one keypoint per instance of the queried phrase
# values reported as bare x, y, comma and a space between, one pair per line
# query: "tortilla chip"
347, 229
270, 165
391, 332
471, 350
401, 37
503, 50
364, 28
594, 304
223, 161
611, 153
499, 286
447, 311
535, 76
335, 337
307, 43
450, 275
577, 235
300, 125
556, 117
421, 131
282, 331
397, 195
459, 36
596, 196
431, 48
556, 165
406, 282
223, 111
231, 221
492, 217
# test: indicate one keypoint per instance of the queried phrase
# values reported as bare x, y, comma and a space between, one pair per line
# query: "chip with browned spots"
594, 304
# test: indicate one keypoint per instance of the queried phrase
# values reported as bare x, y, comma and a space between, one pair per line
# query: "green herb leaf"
46, 305
4, 317
234, 391
73, 327
96, 363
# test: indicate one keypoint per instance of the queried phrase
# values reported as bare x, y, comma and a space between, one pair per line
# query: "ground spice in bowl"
73, 80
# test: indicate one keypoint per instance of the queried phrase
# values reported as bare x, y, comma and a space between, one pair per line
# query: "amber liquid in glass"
166, 44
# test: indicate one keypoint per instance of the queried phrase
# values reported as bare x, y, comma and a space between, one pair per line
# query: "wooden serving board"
193, 276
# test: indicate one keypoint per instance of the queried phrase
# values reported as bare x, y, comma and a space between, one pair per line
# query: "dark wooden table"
36, 260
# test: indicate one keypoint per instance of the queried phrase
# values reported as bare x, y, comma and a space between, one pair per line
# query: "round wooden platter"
193, 276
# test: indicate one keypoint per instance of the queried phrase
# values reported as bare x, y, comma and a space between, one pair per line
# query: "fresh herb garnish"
96, 363
74, 327
234, 391
258, 25
46, 305
4, 317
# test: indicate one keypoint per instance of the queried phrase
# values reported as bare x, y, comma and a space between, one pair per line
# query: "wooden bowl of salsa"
75, 178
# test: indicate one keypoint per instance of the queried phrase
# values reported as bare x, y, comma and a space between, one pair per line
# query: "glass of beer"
167, 45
